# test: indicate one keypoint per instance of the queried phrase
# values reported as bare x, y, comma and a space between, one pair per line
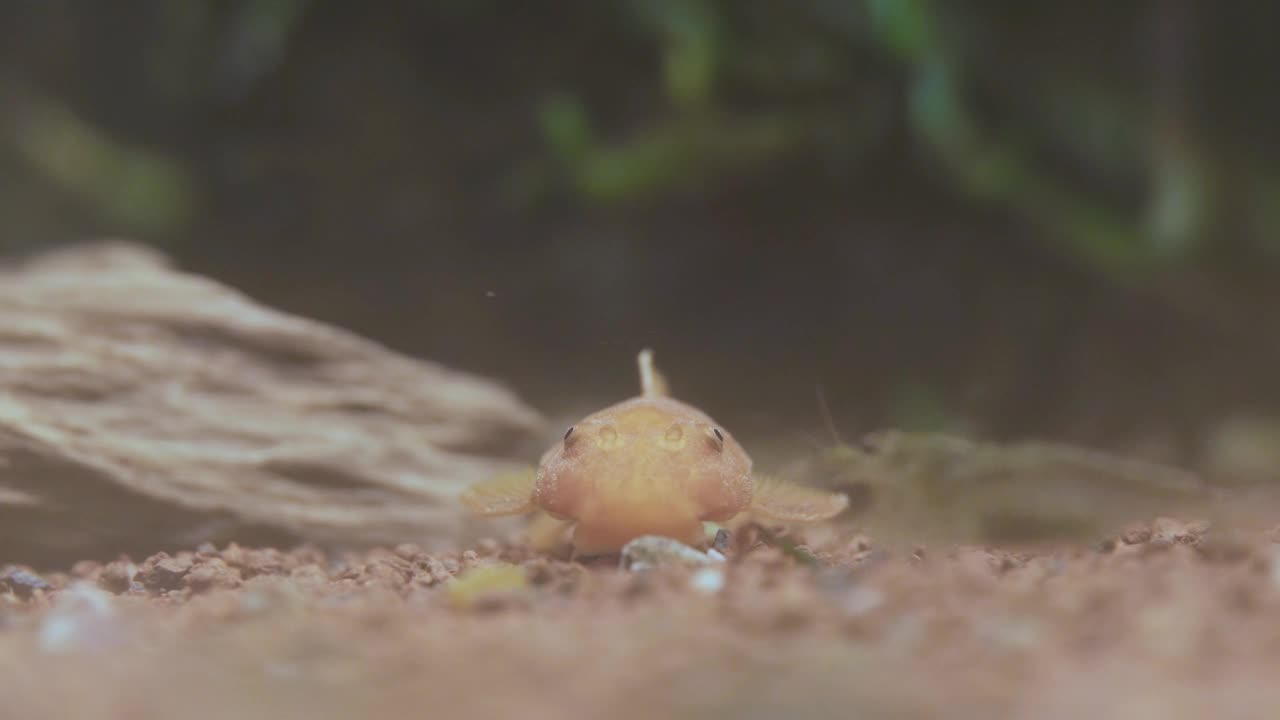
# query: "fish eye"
716, 437
567, 433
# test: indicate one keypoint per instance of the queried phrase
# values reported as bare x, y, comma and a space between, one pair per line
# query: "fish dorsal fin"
652, 383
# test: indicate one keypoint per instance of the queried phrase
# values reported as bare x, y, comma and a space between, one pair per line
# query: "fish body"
650, 465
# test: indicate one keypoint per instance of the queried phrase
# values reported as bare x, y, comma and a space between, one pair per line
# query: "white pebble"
82, 617
708, 580
651, 551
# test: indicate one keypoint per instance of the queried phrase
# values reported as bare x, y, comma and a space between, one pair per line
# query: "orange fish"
651, 465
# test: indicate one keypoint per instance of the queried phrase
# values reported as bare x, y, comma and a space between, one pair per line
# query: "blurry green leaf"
937, 109
1104, 241
565, 126
141, 189
904, 26
997, 173
690, 72
632, 169
1178, 208
690, 31
681, 156
994, 170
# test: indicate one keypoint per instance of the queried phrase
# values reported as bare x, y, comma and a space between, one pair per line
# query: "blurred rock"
143, 408
164, 573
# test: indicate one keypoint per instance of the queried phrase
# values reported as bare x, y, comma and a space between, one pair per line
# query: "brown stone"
145, 407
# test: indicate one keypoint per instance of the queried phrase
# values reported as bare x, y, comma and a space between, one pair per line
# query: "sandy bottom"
1164, 623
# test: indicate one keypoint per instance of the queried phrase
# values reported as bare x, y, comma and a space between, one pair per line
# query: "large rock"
142, 408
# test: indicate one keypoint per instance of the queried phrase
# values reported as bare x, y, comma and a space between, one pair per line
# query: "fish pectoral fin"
508, 493
548, 534
780, 500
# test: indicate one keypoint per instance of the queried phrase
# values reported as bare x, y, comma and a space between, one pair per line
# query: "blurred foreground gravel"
1163, 622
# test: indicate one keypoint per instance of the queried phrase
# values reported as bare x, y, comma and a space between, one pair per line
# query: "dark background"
1007, 219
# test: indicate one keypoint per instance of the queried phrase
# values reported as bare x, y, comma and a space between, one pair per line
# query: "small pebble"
652, 551
708, 580
164, 574
408, 551
82, 617
117, 576
22, 583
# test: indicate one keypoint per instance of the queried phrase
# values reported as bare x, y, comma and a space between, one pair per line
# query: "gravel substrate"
1165, 622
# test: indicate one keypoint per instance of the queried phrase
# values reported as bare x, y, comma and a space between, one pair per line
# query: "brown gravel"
1166, 622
